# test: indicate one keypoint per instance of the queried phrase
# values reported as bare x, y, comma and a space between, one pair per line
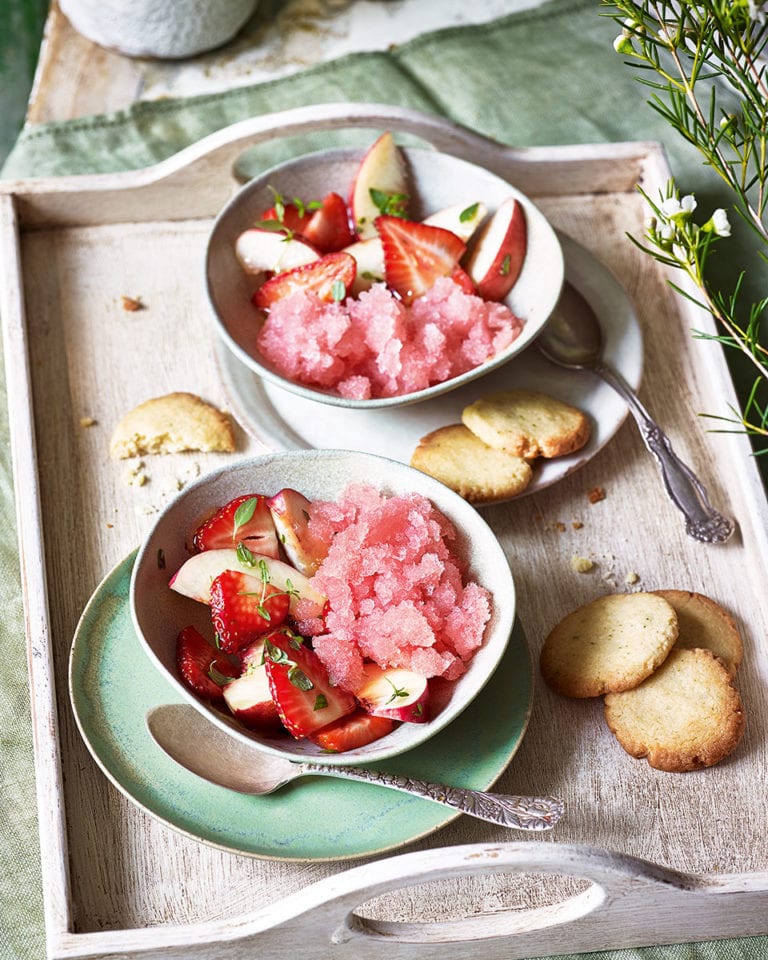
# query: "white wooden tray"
641, 857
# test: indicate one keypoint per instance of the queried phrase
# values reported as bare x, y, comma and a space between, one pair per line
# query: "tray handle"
618, 885
219, 152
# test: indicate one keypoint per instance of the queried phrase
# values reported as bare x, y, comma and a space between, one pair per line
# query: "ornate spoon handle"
702, 521
520, 813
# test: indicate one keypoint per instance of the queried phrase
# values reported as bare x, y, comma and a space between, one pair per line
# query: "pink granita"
396, 589
375, 346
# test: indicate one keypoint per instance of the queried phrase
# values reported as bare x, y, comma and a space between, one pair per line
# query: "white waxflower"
672, 208
680, 253
757, 11
666, 231
623, 44
720, 223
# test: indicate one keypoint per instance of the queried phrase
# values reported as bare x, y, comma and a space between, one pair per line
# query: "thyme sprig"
702, 63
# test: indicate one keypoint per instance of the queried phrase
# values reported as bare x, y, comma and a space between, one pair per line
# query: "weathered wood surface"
90, 358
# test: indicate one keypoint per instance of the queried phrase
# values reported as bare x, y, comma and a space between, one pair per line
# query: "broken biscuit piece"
173, 423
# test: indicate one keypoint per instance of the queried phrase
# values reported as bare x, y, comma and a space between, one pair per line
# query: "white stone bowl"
437, 180
159, 613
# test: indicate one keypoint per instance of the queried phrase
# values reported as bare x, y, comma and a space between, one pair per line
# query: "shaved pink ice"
397, 592
375, 346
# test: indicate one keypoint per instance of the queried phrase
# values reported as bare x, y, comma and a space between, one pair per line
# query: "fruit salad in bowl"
382, 277
324, 604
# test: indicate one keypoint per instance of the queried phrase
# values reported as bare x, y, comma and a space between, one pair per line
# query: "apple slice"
383, 171
395, 693
462, 219
250, 701
369, 257
290, 516
195, 576
271, 251
497, 256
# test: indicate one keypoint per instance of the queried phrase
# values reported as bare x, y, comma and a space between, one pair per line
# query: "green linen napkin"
549, 75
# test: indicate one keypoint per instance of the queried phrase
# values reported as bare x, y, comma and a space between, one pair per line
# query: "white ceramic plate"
285, 421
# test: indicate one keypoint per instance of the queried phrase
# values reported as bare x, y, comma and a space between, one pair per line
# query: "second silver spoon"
573, 339
201, 747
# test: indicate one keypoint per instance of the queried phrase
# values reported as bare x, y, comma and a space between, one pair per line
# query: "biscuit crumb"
132, 304
596, 494
577, 524
560, 527
632, 577
582, 564
87, 422
136, 476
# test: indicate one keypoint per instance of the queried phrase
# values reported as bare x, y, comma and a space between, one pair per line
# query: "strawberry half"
416, 255
243, 607
321, 277
300, 687
352, 732
245, 519
328, 229
194, 659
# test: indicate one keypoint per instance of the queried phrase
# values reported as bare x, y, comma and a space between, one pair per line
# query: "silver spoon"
573, 339
208, 752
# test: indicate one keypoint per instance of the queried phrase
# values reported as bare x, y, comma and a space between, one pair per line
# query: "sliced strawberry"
328, 228
293, 218
243, 607
322, 277
416, 255
300, 687
352, 732
245, 519
197, 660
462, 279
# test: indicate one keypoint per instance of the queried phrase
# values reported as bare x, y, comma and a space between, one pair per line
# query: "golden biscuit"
456, 457
608, 645
686, 716
173, 423
704, 623
525, 423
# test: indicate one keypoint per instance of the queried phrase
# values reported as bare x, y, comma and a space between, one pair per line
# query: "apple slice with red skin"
496, 259
382, 169
462, 219
290, 516
195, 576
270, 251
250, 700
394, 692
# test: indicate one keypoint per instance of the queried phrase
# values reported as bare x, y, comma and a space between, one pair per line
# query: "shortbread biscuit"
525, 423
480, 474
173, 423
704, 623
608, 645
686, 716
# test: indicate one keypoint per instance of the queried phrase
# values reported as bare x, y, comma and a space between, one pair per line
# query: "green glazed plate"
113, 684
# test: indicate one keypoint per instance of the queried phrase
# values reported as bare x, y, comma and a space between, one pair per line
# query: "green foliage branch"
694, 58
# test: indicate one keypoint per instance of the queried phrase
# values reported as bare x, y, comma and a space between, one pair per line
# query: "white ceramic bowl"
159, 613
438, 181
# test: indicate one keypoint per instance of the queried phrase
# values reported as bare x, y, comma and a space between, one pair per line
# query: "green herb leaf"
321, 702
299, 679
276, 226
338, 290
245, 512
504, 269
245, 556
390, 204
217, 676
263, 612
468, 213
263, 571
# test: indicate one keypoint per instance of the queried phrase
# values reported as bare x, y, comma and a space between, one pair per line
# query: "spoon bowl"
205, 750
